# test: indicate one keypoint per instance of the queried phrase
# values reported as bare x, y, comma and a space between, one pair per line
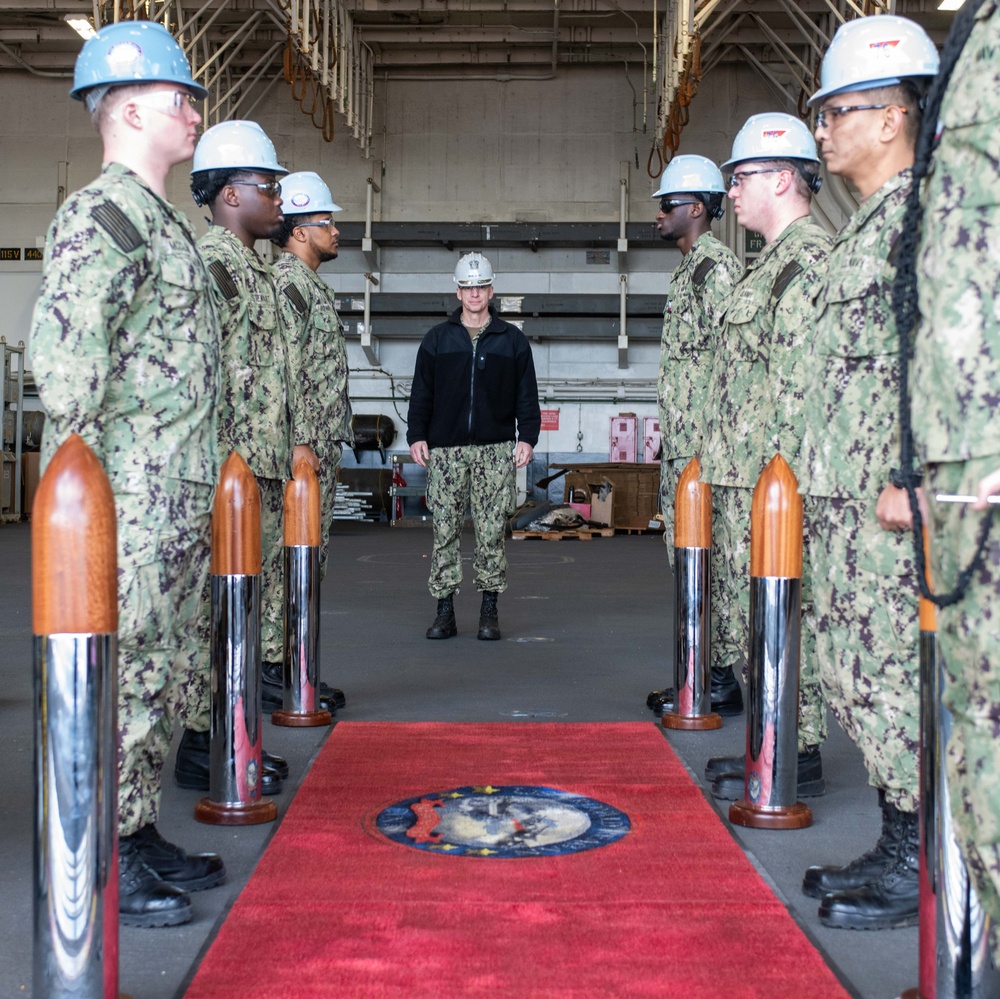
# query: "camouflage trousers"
670, 473
163, 553
480, 476
329, 466
730, 625
969, 643
867, 644
272, 572
198, 714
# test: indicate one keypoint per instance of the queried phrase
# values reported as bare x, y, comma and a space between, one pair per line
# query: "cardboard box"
594, 499
635, 488
602, 504
30, 465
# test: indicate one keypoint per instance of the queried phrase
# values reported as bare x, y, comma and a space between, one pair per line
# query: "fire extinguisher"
397, 480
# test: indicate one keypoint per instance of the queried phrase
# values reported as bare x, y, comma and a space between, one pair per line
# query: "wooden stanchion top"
927, 612
236, 521
302, 518
776, 523
74, 553
692, 509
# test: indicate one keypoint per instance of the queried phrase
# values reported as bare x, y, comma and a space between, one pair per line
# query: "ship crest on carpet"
505, 821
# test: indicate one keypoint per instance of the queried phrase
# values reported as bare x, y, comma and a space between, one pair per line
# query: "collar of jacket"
491, 326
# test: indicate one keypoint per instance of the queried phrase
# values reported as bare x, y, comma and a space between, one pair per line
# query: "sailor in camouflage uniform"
235, 173
317, 353
864, 582
692, 193
473, 390
124, 347
956, 393
756, 397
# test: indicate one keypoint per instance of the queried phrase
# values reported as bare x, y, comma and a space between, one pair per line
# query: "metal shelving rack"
11, 402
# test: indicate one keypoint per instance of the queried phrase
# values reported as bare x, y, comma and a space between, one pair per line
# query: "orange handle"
236, 521
302, 506
692, 509
776, 523
74, 554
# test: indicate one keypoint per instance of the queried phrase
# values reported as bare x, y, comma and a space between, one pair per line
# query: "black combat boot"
144, 899
191, 768
866, 869
272, 686
273, 693
727, 697
893, 901
809, 778
444, 625
489, 623
174, 866
331, 698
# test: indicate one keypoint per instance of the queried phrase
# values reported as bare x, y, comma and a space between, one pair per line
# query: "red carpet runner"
671, 908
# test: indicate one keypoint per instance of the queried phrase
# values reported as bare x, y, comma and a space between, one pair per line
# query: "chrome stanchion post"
75, 625
235, 796
955, 960
692, 605
771, 780
301, 659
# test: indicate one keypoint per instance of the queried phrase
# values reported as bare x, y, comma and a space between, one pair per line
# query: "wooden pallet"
580, 533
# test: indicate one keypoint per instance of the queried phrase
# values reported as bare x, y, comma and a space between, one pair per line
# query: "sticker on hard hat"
771, 134
300, 200
883, 47
124, 54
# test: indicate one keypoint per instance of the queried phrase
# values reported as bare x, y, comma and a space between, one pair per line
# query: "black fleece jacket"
463, 398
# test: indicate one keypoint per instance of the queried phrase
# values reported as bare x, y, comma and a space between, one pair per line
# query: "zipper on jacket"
472, 380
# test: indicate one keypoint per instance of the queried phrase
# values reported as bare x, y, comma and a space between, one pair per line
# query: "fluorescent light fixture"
81, 25
950, 4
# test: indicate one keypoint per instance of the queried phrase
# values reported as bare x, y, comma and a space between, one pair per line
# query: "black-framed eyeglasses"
305, 225
269, 188
736, 179
825, 116
667, 205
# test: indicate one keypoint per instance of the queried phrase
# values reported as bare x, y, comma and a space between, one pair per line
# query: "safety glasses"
269, 188
667, 205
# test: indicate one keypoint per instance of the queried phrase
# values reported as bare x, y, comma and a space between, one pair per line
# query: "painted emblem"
753, 786
122, 55
502, 821
252, 774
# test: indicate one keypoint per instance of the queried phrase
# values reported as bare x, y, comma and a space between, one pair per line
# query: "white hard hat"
878, 51
304, 193
473, 271
690, 175
772, 136
236, 145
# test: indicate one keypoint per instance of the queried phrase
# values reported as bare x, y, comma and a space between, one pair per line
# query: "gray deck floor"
586, 628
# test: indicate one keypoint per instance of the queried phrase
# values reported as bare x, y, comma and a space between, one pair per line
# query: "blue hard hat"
772, 136
871, 52
132, 52
690, 174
